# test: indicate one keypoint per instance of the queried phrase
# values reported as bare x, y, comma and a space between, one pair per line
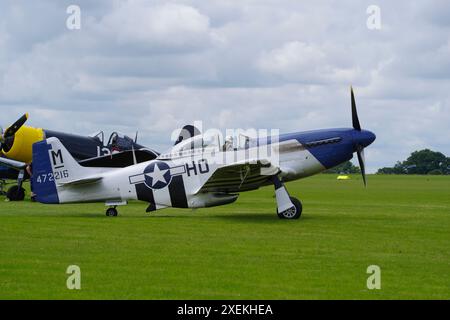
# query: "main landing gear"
287, 207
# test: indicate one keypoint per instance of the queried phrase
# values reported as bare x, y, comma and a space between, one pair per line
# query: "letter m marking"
57, 158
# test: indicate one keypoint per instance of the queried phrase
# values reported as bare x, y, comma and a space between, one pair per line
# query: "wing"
18, 165
240, 177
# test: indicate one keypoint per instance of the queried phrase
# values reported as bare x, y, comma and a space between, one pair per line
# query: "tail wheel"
15, 193
111, 212
292, 213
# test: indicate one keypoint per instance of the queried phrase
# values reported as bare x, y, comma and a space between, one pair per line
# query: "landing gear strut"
287, 207
2, 187
111, 212
17, 193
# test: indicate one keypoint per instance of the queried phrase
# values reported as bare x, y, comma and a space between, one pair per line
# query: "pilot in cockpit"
228, 145
115, 148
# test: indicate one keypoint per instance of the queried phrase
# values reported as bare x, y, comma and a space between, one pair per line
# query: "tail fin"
53, 165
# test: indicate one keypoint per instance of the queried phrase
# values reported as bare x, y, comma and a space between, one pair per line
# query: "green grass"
239, 251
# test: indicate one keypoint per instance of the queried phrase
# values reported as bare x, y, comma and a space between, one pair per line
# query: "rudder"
44, 186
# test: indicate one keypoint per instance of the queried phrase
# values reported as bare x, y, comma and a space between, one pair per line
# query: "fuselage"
182, 178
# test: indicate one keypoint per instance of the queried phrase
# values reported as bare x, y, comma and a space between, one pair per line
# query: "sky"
154, 66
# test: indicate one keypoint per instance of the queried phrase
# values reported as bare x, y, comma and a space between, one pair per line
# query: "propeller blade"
11, 131
355, 119
362, 164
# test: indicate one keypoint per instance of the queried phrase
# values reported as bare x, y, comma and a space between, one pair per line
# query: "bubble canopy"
207, 143
198, 142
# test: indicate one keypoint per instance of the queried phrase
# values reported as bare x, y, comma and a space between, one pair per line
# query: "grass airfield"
239, 251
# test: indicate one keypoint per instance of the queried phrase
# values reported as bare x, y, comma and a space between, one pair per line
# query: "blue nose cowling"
363, 138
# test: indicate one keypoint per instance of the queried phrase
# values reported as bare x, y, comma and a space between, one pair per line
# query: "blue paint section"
276, 182
363, 138
323, 145
43, 181
158, 166
329, 155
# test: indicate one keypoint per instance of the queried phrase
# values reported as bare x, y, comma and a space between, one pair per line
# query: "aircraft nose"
363, 138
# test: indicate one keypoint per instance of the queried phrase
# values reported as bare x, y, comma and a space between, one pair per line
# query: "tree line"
419, 162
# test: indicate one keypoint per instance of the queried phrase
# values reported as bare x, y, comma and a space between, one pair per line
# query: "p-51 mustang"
16, 150
193, 174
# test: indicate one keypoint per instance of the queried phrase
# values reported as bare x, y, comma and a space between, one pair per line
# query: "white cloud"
163, 26
292, 58
302, 62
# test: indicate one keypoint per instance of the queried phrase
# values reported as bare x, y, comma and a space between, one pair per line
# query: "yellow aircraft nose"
22, 143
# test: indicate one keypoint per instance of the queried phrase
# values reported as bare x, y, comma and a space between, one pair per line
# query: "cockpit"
207, 144
117, 141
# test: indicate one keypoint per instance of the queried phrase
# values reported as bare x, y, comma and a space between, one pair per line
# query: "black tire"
15, 193
292, 213
111, 212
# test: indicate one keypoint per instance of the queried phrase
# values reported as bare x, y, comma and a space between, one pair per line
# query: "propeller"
1, 135
7, 136
362, 164
355, 120
359, 148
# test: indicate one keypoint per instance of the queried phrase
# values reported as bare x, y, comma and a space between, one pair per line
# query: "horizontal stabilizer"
80, 181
